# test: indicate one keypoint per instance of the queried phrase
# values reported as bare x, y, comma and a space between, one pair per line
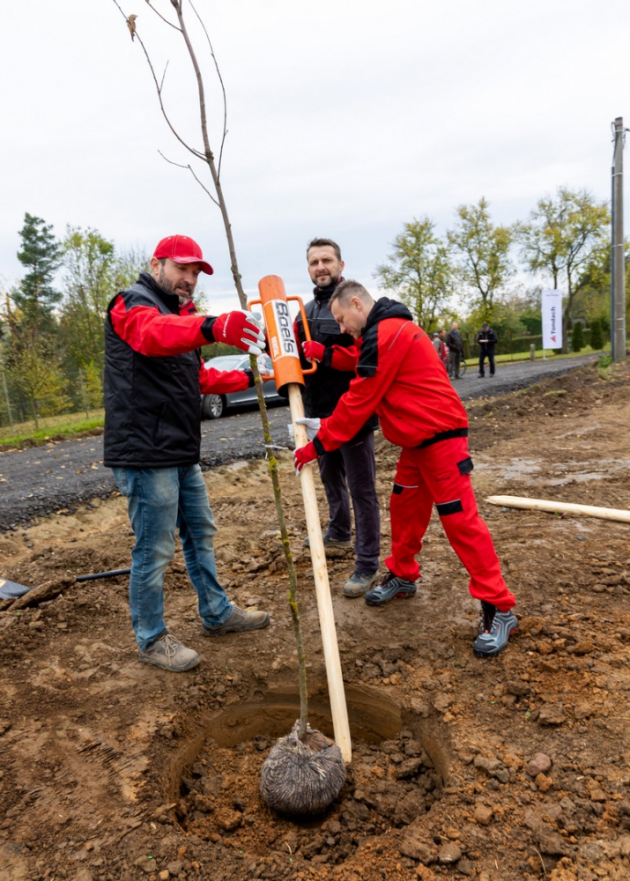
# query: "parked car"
215, 406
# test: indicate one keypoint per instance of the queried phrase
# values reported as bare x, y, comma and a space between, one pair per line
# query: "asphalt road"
59, 475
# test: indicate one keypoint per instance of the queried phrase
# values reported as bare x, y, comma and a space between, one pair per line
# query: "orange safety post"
283, 348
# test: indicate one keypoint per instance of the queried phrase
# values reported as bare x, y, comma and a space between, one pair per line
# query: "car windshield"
227, 362
236, 362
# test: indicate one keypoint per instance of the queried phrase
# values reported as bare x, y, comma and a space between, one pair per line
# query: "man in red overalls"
401, 380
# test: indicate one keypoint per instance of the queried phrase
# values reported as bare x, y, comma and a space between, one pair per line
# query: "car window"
226, 362
236, 362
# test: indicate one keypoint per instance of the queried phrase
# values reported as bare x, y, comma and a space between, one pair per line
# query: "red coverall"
419, 411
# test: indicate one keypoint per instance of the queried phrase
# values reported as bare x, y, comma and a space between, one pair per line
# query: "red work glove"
240, 329
304, 456
313, 351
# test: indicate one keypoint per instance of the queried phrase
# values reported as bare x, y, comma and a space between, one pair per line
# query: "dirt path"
508, 769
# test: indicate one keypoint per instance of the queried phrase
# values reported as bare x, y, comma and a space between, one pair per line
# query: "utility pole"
618, 269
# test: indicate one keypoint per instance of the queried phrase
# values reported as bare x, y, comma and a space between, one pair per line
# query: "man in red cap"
154, 377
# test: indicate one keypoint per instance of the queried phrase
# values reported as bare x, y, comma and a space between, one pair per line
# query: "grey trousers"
348, 472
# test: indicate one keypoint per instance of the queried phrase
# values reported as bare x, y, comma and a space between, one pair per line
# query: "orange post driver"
283, 347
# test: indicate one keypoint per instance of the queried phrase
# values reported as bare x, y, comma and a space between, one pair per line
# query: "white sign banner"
552, 319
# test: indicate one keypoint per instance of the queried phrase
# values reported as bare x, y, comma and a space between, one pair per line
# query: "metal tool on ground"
13, 589
552, 507
279, 774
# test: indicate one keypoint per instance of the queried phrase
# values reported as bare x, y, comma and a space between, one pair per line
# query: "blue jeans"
159, 499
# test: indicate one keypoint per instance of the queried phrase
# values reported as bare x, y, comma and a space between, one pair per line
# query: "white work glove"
262, 367
241, 329
311, 425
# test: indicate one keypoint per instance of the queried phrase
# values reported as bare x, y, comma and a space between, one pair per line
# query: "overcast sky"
346, 119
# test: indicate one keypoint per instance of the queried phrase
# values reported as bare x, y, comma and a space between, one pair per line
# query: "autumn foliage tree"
482, 253
419, 270
562, 239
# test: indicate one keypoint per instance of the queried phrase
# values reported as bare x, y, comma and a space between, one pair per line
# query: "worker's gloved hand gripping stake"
285, 356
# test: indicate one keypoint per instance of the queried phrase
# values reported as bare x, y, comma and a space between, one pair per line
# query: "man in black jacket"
455, 345
153, 380
350, 470
487, 340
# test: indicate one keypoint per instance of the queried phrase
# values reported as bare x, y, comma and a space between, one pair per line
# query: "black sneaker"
390, 587
496, 628
330, 542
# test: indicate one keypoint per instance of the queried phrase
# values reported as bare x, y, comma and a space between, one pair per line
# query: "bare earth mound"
512, 768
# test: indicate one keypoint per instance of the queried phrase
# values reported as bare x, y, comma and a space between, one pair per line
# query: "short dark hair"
350, 288
324, 243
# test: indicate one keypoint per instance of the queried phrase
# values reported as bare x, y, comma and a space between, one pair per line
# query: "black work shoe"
390, 587
330, 542
359, 583
238, 621
496, 628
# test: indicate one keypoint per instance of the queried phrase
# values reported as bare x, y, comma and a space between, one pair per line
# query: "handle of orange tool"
307, 332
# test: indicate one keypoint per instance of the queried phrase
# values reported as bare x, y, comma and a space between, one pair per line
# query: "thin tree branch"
163, 78
158, 87
165, 20
191, 170
216, 65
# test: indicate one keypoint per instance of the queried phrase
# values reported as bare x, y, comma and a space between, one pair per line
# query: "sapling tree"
210, 163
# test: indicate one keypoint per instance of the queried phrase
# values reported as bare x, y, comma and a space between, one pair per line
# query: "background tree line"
52, 343
470, 273
51, 340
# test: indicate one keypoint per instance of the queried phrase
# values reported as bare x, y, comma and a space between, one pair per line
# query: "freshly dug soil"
511, 768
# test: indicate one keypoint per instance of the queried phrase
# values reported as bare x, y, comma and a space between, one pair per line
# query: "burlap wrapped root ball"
302, 777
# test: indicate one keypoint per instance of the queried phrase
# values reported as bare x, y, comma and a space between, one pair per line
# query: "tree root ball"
302, 777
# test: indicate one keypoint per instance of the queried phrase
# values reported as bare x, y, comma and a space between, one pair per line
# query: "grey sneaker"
390, 587
495, 631
359, 583
330, 542
239, 620
168, 653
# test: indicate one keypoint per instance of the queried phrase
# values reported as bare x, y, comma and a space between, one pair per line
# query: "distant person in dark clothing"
455, 345
486, 340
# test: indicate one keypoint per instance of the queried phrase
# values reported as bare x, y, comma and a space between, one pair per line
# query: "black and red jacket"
323, 389
401, 379
154, 377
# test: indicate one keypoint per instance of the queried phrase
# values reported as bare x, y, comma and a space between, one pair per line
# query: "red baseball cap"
182, 249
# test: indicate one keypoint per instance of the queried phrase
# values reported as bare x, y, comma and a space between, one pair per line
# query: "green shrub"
577, 337
597, 335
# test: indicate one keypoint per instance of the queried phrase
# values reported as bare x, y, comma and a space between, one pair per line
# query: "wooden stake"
560, 507
336, 691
